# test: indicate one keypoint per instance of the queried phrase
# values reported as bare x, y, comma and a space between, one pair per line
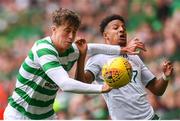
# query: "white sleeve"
61, 78
93, 66
146, 74
94, 49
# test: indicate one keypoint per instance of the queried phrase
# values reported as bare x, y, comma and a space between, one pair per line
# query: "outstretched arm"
131, 48
51, 66
61, 78
158, 86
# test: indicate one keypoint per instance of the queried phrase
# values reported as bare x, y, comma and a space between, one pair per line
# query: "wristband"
166, 78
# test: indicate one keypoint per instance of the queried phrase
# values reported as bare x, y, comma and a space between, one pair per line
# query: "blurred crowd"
155, 22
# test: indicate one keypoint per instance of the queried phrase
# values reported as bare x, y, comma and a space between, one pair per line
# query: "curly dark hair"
66, 16
108, 19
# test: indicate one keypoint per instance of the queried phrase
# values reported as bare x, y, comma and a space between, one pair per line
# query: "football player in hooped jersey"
45, 69
127, 102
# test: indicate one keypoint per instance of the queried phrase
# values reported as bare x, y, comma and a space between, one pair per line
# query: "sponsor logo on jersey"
50, 85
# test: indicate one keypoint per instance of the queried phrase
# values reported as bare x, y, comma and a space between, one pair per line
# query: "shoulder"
134, 58
98, 57
44, 41
45, 46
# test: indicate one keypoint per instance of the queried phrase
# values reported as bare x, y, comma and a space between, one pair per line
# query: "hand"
82, 46
167, 68
133, 47
106, 88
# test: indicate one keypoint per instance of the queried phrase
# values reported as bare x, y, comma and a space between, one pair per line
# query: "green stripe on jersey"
44, 41
50, 65
46, 51
31, 56
69, 65
28, 114
67, 52
37, 72
31, 101
34, 86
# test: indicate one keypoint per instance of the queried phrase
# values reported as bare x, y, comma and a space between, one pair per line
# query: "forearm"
103, 49
61, 78
161, 86
79, 75
78, 87
158, 86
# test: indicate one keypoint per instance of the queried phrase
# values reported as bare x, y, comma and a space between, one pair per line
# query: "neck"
57, 45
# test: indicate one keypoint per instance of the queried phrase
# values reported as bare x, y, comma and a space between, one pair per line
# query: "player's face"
115, 33
64, 35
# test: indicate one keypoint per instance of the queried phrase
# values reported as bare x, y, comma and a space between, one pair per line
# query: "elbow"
65, 88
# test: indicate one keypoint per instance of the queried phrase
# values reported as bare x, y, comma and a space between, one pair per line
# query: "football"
117, 72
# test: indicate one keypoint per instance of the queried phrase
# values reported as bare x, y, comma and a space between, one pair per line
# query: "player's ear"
53, 28
105, 36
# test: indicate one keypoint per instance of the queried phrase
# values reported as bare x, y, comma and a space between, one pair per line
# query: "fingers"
167, 67
140, 45
133, 53
170, 68
135, 39
106, 88
80, 40
167, 63
135, 44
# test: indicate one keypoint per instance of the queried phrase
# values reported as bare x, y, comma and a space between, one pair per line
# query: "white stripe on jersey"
70, 57
30, 108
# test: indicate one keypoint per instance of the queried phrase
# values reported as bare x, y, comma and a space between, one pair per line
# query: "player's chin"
68, 44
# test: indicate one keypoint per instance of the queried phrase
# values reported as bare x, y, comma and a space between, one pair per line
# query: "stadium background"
155, 22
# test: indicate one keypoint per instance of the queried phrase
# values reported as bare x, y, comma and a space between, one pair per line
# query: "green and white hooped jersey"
35, 91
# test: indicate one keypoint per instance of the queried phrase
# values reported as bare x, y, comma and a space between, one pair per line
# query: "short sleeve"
146, 74
93, 65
